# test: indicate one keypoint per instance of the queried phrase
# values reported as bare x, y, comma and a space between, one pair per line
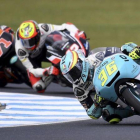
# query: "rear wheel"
132, 97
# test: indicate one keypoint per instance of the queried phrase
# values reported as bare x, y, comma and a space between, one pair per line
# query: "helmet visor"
31, 42
75, 73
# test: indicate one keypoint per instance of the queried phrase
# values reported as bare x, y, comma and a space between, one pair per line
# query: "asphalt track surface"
128, 129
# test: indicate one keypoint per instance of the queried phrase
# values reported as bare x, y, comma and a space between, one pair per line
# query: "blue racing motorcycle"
117, 80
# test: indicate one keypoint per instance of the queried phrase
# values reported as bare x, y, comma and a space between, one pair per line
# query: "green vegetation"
106, 22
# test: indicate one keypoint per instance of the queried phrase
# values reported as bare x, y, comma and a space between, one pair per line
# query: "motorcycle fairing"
112, 69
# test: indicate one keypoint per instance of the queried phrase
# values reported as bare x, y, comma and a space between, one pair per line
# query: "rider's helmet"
74, 67
7, 29
29, 34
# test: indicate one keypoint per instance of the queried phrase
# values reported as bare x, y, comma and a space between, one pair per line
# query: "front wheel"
132, 98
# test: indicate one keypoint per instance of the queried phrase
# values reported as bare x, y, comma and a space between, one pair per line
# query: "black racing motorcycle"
58, 43
11, 69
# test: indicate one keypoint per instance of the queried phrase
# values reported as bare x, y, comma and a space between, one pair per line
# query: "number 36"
110, 68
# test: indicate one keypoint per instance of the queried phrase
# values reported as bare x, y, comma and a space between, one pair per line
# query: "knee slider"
39, 87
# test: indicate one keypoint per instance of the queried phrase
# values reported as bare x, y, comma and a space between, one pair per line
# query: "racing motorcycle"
58, 43
11, 69
117, 80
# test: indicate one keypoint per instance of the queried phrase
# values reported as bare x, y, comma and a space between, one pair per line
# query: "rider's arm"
132, 50
128, 47
48, 28
23, 56
87, 102
83, 96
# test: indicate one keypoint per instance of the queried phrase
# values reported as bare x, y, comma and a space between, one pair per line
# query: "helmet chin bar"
78, 81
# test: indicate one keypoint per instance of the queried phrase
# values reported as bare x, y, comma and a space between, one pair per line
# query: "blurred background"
106, 22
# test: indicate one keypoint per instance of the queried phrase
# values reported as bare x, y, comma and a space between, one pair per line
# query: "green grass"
106, 22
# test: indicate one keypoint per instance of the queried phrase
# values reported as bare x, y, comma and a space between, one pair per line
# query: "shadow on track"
89, 129
52, 90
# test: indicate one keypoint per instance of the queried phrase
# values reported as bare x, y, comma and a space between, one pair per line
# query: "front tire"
132, 98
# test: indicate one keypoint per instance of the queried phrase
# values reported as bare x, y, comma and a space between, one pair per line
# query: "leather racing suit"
32, 59
94, 106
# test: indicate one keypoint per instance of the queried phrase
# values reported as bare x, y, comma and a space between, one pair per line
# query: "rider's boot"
94, 112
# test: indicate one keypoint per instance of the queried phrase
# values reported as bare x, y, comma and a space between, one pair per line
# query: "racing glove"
39, 72
135, 53
51, 71
82, 34
128, 47
98, 101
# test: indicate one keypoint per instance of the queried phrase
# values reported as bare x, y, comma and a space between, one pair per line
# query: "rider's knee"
39, 87
37, 83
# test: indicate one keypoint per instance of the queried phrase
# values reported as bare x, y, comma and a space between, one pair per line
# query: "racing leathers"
97, 106
40, 78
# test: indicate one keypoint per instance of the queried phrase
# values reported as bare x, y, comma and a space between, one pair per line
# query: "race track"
87, 129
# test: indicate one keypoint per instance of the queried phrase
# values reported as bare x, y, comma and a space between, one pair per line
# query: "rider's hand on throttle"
128, 47
51, 71
135, 53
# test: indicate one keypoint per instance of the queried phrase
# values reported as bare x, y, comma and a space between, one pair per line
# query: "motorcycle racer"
80, 71
5, 28
6, 34
30, 48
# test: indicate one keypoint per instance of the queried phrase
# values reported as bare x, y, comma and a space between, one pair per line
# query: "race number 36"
5, 43
110, 68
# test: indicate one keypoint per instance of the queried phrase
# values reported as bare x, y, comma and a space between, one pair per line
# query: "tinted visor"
75, 73
31, 42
